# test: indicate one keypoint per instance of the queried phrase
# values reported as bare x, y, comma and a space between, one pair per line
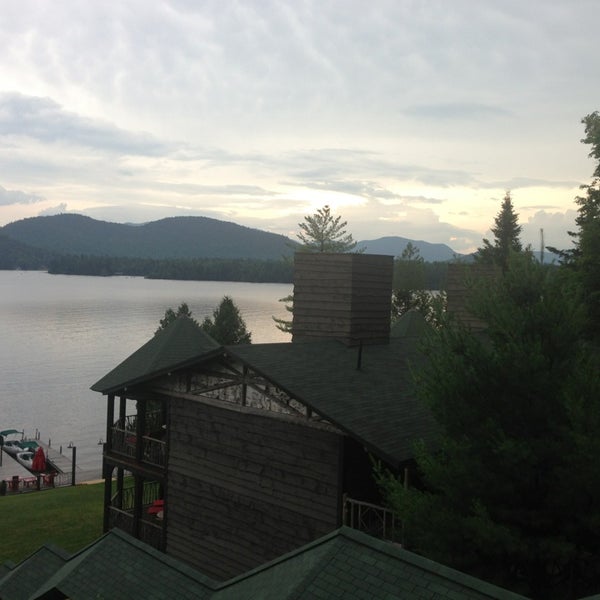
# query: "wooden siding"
459, 279
244, 487
342, 296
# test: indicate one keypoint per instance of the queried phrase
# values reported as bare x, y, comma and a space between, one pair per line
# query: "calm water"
60, 334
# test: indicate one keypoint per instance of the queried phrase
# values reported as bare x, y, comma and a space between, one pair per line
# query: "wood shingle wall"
245, 486
342, 296
459, 279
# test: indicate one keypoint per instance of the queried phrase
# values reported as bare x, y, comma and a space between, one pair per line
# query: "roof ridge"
427, 564
314, 571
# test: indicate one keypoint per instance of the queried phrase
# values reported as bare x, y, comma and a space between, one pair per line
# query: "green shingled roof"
375, 402
117, 566
366, 392
345, 564
411, 323
350, 565
182, 342
21, 581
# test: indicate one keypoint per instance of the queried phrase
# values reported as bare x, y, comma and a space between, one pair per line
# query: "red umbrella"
39, 460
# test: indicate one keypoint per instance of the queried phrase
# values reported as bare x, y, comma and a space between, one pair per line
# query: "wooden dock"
10, 467
63, 463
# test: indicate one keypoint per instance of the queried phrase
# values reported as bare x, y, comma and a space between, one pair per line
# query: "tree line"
510, 489
200, 269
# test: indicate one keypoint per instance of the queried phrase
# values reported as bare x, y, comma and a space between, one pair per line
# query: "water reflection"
60, 334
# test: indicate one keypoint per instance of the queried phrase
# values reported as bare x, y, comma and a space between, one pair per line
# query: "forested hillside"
395, 245
194, 248
177, 237
15, 255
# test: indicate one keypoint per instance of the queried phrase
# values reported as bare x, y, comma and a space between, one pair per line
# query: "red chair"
157, 507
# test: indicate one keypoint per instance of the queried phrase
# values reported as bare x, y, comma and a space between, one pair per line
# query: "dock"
10, 468
62, 463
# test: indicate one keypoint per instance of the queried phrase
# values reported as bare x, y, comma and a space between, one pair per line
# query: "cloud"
44, 120
527, 182
316, 166
53, 210
456, 110
555, 226
8, 197
198, 189
255, 111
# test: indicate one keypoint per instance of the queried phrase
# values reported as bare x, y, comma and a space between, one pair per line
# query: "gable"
182, 342
366, 392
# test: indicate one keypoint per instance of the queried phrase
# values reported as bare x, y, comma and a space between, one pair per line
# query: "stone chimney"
342, 296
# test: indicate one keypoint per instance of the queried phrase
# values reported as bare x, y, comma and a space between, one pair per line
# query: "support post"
73, 461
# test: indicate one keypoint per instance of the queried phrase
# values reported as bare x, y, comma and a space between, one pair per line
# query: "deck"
10, 469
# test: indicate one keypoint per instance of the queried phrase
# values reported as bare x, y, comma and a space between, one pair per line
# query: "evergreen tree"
587, 246
409, 274
183, 310
227, 325
511, 486
506, 236
322, 232
285, 325
584, 257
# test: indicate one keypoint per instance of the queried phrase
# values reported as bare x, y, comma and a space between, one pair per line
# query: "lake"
62, 333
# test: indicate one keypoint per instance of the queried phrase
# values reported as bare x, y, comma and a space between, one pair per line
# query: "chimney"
342, 296
461, 278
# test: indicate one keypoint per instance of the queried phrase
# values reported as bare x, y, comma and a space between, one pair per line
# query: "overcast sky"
408, 118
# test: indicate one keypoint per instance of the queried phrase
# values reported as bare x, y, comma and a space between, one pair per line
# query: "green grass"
69, 517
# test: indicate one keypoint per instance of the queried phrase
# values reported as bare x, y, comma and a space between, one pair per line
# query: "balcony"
150, 525
370, 518
124, 440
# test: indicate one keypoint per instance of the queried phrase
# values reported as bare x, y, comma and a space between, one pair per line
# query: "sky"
407, 118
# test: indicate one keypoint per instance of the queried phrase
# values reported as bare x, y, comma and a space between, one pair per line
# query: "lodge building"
226, 457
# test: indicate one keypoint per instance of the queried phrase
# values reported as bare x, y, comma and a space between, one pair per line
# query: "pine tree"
409, 273
183, 310
587, 256
227, 325
510, 488
584, 257
322, 232
506, 236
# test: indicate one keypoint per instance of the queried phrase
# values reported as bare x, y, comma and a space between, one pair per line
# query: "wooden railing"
121, 514
154, 451
124, 441
378, 521
18, 485
149, 532
150, 493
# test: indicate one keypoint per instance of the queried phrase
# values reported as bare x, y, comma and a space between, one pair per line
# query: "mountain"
16, 255
394, 245
176, 237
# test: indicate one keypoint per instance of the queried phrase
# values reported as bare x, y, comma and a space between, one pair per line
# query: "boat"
12, 447
10, 442
15, 446
25, 459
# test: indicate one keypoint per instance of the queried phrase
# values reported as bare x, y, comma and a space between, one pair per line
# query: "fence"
375, 520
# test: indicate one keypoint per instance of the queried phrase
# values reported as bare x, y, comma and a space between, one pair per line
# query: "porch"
145, 523
124, 439
377, 521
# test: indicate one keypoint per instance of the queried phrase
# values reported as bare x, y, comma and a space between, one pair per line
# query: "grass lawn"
69, 517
